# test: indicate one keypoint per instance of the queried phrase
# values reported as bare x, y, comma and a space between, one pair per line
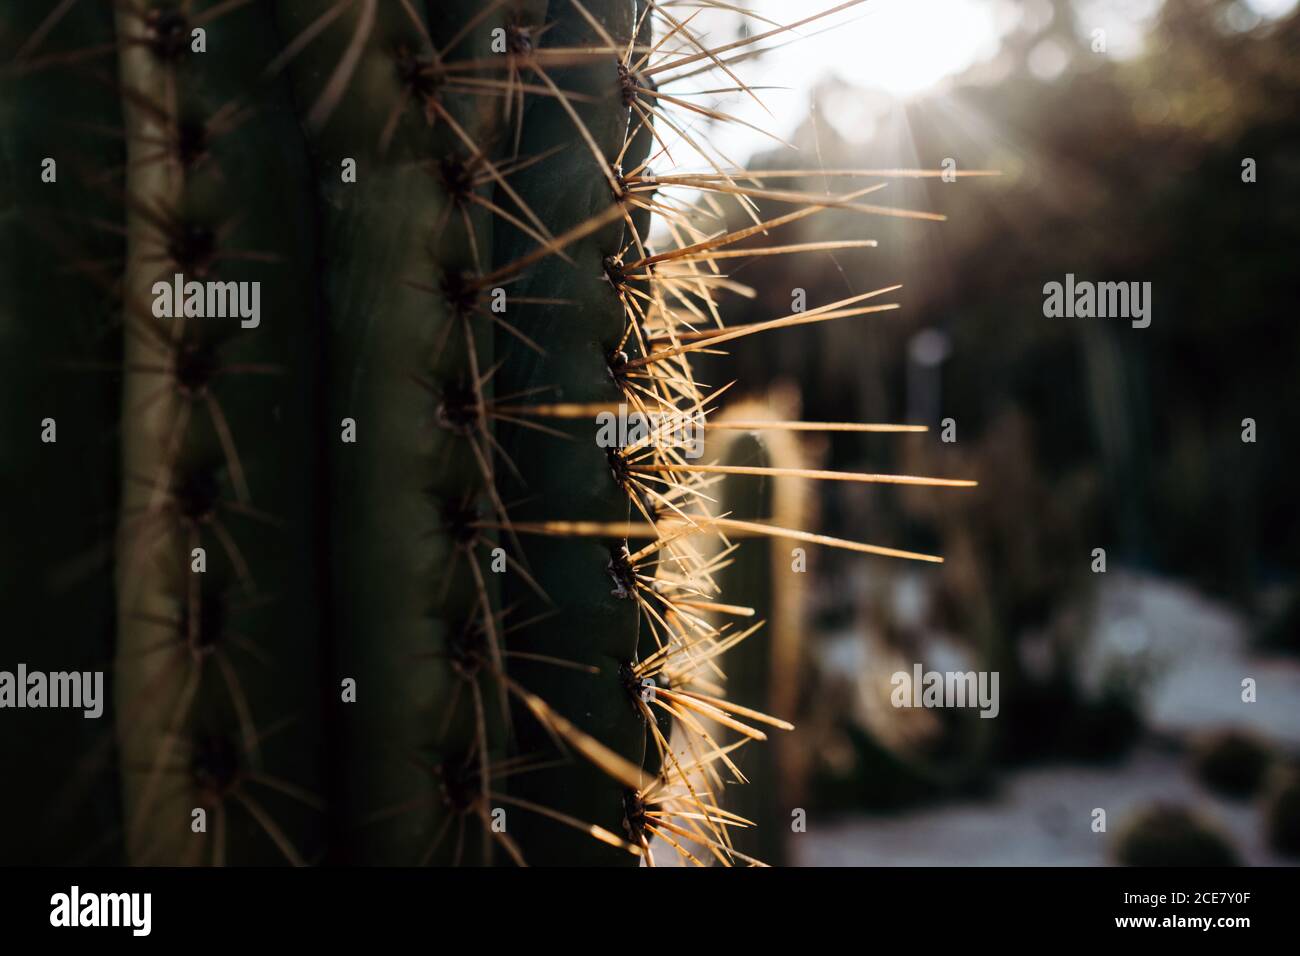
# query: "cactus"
1232, 762
1281, 810
379, 597
217, 662
761, 577
401, 362
1166, 834
57, 335
594, 626
748, 582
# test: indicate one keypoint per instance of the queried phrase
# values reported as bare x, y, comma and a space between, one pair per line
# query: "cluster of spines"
465, 187
669, 311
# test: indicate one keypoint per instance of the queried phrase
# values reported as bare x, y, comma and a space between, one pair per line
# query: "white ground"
1042, 816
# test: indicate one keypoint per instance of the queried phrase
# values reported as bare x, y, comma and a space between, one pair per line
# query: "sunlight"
902, 46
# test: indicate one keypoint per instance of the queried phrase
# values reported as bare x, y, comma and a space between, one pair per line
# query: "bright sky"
899, 45
903, 47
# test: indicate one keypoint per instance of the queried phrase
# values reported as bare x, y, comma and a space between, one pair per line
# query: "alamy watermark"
1101, 300
75, 908
922, 688
683, 431
76, 690
208, 300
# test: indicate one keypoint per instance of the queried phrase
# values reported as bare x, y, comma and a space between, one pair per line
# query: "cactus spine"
379, 597
216, 663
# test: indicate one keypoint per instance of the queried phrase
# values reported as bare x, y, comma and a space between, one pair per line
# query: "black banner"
927, 905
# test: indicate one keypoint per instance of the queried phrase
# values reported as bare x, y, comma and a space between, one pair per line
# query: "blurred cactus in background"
1170, 835
767, 576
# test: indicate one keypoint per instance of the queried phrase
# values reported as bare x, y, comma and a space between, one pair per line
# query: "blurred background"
1121, 155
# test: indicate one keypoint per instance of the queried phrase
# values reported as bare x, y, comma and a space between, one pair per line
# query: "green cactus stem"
216, 662
59, 350
595, 623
